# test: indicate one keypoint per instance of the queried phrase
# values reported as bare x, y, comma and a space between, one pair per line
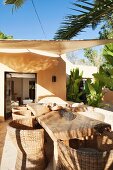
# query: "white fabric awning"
35, 55
28, 62
48, 47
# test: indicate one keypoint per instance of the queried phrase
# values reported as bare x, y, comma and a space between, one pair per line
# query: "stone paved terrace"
7, 149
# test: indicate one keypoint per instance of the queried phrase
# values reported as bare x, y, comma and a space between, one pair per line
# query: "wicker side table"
29, 142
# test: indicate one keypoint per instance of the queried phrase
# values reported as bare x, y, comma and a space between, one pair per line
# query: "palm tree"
106, 31
16, 3
89, 14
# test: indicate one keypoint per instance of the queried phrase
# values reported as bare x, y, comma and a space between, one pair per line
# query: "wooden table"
58, 127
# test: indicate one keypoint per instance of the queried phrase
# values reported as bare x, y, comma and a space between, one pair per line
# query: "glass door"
32, 90
8, 96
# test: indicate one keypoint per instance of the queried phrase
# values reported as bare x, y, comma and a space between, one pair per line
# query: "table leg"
55, 156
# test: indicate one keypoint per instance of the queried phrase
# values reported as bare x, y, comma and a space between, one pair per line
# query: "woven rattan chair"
83, 158
29, 141
19, 108
21, 114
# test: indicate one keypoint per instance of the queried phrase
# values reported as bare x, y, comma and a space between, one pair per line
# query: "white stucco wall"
44, 84
99, 114
87, 70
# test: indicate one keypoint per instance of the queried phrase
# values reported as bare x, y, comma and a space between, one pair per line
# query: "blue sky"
23, 23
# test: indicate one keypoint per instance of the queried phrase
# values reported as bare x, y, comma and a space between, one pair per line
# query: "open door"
19, 87
8, 92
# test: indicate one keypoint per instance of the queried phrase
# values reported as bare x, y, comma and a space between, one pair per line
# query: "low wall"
99, 114
108, 96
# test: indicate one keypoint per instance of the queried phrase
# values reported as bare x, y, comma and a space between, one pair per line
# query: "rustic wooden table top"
64, 128
66, 125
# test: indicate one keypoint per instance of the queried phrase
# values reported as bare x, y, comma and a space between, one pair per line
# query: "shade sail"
48, 47
28, 62
36, 55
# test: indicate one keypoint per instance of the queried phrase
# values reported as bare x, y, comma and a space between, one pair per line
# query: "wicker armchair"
21, 114
19, 108
29, 141
83, 158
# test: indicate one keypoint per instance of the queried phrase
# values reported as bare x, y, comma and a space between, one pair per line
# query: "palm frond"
94, 14
86, 2
78, 10
84, 7
16, 3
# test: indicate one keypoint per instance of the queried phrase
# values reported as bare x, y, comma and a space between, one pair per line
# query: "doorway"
19, 89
